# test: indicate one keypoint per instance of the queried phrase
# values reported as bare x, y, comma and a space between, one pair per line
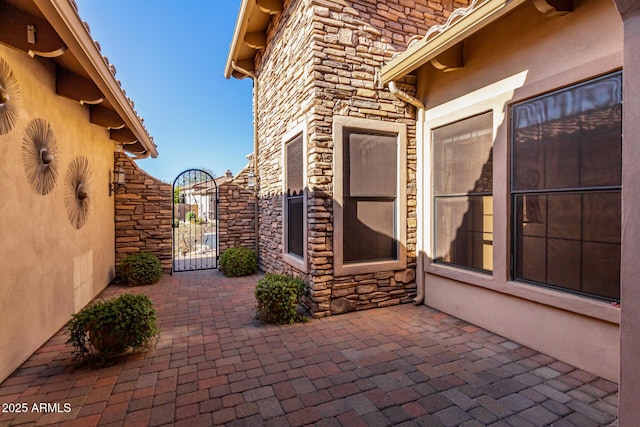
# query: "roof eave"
462, 23
64, 19
250, 36
238, 36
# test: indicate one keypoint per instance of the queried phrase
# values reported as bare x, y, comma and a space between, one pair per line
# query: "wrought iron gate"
195, 221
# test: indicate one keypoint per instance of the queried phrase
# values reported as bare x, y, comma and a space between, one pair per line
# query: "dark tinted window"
294, 233
566, 176
370, 188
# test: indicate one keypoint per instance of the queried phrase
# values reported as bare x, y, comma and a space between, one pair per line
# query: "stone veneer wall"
322, 60
143, 214
236, 214
285, 93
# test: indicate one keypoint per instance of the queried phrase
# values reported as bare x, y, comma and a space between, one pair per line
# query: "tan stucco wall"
628, 408
49, 268
582, 341
523, 55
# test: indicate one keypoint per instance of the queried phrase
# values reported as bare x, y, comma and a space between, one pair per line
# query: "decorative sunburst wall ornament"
10, 99
39, 155
76, 194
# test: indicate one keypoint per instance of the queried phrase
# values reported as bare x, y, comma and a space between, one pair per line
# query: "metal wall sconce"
119, 176
253, 183
251, 180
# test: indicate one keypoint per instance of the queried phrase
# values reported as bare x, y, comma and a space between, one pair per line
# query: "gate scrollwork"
195, 221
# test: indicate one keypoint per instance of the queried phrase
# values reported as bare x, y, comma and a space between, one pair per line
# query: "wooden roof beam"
553, 8
245, 66
105, 117
256, 40
271, 7
29, 33
123, 135
451, 59
76, 87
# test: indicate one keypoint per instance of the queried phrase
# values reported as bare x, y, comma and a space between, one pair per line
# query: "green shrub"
140, 269
190, 217
235, 262
111, 327
277, 297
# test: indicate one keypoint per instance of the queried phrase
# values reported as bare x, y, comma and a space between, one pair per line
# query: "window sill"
368, 267
296, 262
585, 306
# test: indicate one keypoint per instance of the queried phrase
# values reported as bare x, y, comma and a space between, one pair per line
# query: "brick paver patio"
215, 364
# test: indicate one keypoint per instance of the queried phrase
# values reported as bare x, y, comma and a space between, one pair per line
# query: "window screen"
462, 191
370, 189
294, 232
566, 177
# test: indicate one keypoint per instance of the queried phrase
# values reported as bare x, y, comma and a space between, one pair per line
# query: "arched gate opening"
195, 221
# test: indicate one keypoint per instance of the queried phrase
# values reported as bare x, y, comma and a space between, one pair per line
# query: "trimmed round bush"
140, 269
277, 297
239, 261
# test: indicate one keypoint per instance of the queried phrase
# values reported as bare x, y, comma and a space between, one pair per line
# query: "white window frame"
300, 263
340, 125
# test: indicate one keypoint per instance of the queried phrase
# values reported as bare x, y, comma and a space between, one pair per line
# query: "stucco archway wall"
628, 408
50, 268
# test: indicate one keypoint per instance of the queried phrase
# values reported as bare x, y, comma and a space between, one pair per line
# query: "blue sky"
170, 56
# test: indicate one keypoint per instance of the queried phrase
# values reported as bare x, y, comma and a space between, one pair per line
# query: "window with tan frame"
566, 176
369, 195
463, 192
294, 199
